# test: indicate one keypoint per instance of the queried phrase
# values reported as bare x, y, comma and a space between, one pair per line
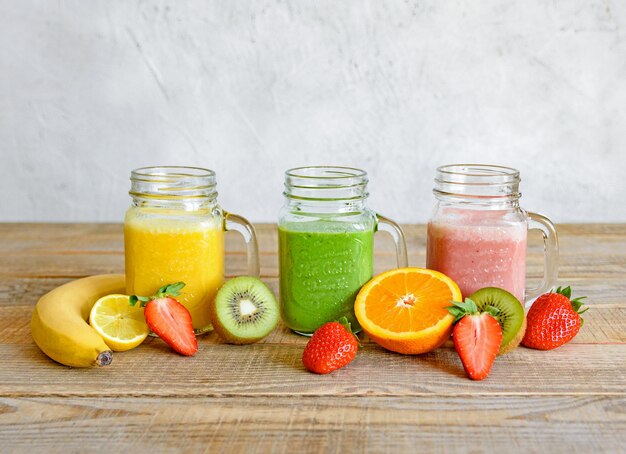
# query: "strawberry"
553, 320
169, 319
331, 347
477, 338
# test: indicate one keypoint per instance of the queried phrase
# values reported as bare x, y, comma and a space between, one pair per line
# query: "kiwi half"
511, 315
245, 310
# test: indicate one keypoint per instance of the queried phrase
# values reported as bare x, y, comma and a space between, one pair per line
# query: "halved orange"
405, 310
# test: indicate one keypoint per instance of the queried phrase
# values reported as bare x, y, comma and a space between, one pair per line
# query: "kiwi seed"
244, 311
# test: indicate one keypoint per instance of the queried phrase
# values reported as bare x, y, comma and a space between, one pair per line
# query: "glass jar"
174, 231
326, 245
477, 234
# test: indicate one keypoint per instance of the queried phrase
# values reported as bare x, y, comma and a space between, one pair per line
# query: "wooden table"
259, 398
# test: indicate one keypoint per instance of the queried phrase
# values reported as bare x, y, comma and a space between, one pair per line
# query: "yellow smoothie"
162, 250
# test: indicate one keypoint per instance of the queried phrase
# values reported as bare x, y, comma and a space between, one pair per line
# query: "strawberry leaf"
577, 303
163, 289
460, 310
174, 289
493, 311
169, 290
473, 308
133, 299
565, 291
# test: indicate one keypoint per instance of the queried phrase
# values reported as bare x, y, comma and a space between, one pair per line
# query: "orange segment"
404, 310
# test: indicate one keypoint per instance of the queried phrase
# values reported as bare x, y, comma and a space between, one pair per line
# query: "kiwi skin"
231, 285
514, 343
502, 300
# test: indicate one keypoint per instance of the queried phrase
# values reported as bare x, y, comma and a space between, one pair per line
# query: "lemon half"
121, 325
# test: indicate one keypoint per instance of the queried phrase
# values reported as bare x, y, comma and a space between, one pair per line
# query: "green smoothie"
321, 272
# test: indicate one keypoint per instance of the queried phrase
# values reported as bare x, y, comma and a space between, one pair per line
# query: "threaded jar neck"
477, 183
173, 186
326, 184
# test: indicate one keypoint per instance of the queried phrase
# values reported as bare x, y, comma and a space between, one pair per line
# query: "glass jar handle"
243, 226
551, 254
389, 226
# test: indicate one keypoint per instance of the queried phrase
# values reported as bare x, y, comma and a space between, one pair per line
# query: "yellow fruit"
59, 324
121, 325
404, 310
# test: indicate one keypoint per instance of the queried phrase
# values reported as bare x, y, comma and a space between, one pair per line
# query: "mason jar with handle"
326, 245
174, 231
477, 234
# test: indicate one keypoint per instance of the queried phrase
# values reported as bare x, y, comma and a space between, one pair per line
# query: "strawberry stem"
167, 290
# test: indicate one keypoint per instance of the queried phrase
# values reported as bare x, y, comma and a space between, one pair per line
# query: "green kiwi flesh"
511, 316
245, 310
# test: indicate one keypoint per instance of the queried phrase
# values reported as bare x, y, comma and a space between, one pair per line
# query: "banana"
59, 325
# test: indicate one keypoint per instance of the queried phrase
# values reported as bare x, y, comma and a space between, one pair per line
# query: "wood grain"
259, 398
323, 424
608, 292
603, 325
276, 369
74, 250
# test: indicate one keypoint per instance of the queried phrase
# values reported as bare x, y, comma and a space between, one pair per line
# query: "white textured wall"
91, 89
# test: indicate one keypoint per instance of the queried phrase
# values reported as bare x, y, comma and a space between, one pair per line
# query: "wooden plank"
603, 325
270, 369
56, 265
608, 291
605, 321
592, 229
15, 238
601, 292
259, 397
78, 265
75, 250
58, 237
607, 263
323, 424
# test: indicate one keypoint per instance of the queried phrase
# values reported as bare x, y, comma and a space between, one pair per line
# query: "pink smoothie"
477, 256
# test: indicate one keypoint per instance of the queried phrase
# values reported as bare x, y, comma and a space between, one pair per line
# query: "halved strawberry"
169, 319
477, 338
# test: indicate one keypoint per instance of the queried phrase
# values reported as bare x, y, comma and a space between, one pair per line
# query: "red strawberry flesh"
477, 340
171, 321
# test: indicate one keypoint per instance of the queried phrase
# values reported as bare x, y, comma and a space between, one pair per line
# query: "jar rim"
173, 183
477, 181
172, 171
326, 183
325, 172
475, 173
